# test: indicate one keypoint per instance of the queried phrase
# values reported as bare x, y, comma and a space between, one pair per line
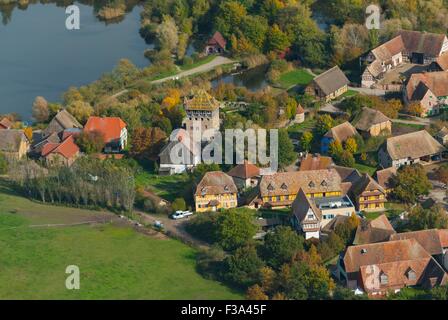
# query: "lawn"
115, 262
198, 63
299, 77
365, 169
349, 93
307, 125
167, 187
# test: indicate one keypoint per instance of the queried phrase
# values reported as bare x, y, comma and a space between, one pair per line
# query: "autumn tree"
415, 109
277, 40
350, 145
281, 246
147, 142
306, 140
41, 113
256, 293
80, 110
243, 267
286, 153
410, 183
422, 219
235, 228
323, 124
167, 34
90, 142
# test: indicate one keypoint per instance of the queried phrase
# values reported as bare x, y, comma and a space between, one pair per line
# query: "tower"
202, 113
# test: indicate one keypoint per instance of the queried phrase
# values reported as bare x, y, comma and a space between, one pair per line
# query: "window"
324, 183
411, 275
311, 184
284, 186
270, 187
310, 216
384, 279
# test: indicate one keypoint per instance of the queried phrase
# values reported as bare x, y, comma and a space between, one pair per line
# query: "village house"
5, 124
113, 130
245, 175
429, 90
385, 178
328, 85
64, 153
382, 59
442, 136
315, 162
371, 123
441, 64
407, 47
367, 194
300, 114
13, 143
202, 114
312, 214
216, 44
188, 155
61, 121
339, 133
215, 191
410, 148
280, 189
378, 269
434, 241
373, 231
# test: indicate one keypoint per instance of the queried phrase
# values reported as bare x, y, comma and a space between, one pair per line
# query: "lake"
40, 57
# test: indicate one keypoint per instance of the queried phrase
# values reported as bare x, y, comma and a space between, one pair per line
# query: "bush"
186, 61
179, 204
3, 164
203, 227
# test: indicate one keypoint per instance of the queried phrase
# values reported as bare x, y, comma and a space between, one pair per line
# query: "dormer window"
311, 184
226, 188
324, 183
204, 191
384, 279
270, 187
284, 186
410, 274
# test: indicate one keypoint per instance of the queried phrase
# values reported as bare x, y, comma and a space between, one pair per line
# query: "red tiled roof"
315, 162
66, 148
110, 127
217, 39
5, 123
244, 171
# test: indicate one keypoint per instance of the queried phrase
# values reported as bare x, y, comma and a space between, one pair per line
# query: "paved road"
370, 92
218, 61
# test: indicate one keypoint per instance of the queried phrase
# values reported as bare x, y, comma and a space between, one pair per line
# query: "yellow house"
372, 123
215, 191
368, 194
13, 143
280, 189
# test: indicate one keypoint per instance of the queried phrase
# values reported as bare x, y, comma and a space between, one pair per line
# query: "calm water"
39, 56
252, 79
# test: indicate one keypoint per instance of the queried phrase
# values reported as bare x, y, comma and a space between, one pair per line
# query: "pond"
253, 79
40, 57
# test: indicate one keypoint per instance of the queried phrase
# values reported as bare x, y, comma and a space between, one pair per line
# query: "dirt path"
218, 61
174, 228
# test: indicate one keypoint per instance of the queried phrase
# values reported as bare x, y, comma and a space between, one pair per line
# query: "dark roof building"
329, 85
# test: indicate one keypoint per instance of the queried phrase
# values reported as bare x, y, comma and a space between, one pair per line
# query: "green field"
299, 77
115, 261
167, 187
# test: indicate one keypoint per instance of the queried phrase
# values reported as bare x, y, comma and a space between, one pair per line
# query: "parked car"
179, 214
158, 224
